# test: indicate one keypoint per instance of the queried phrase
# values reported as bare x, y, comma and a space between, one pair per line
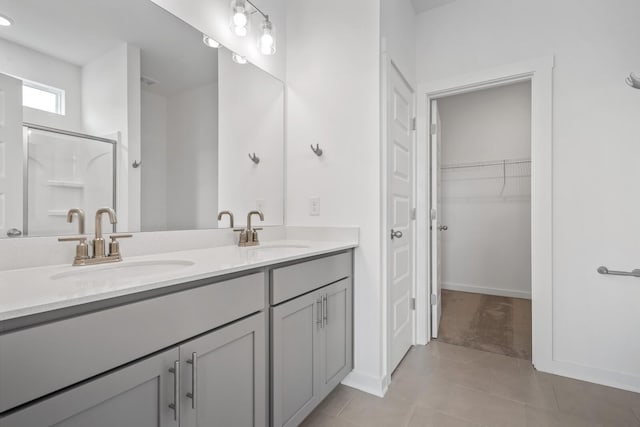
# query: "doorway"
480, 263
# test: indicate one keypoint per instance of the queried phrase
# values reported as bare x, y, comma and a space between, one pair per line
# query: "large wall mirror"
118, 103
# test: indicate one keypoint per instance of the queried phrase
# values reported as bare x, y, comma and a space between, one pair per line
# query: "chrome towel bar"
633, 273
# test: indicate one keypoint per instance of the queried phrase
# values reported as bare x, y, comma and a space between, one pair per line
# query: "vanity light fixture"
238, 59
5, 21
241, 11
239, 18
267, 40
208, 41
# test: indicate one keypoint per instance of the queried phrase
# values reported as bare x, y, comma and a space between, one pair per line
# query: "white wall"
22, 62
487, 248
398, 35
333, 98
111, 105
153, 179
214, 16
595, 138
251, 121
192, 158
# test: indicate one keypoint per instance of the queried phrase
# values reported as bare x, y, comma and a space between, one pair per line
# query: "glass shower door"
66, 171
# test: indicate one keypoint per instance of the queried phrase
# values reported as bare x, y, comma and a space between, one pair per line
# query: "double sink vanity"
220, 336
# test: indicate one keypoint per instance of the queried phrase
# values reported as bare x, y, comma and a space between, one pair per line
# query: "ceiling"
79, 31
424, 5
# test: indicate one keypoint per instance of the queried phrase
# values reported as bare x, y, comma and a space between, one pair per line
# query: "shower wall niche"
65, 170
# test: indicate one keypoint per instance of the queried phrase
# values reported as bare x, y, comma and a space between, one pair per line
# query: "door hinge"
413, 214
414, 125
434, 129
412, 303
433, 300
433, 214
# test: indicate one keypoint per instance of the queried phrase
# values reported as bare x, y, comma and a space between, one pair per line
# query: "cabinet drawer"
46, 358
289, 282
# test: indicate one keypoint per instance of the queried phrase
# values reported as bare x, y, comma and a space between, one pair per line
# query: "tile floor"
446, 385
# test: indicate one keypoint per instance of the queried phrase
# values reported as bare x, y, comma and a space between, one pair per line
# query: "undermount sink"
127, 271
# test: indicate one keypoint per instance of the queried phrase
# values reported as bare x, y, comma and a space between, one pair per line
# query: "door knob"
396, 234
443, 228
14, 232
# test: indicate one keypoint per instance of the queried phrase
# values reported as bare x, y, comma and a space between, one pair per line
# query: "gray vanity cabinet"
336, 336
311, 337
295, 376
227, 384
137, 395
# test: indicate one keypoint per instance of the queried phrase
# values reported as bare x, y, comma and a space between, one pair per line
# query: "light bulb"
5, 21
239, 17
238, 59
240, 31
208, 41
267, 41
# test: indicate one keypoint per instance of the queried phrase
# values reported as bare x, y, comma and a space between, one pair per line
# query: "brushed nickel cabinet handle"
319, 319
194, 378
176, 390
325, 316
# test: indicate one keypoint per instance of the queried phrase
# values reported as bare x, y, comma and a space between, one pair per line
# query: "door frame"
539, 71
387, 65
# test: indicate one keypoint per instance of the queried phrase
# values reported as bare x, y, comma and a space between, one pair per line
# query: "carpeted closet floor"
485, 322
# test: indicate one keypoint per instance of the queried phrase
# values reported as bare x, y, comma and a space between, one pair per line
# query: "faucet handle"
82, 250
78, 238
114, 245
115, 236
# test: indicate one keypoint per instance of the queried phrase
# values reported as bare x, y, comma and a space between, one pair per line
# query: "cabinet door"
295, 335
336, 342
137, 395
227, 385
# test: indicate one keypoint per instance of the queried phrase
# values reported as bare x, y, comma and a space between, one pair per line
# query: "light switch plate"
314, 206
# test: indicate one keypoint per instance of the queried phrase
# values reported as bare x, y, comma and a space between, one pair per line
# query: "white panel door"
10, 156
436, 213
400, 178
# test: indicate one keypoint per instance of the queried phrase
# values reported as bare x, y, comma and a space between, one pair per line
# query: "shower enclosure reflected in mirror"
119, 103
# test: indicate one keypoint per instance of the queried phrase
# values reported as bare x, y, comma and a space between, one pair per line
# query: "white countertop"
37, 290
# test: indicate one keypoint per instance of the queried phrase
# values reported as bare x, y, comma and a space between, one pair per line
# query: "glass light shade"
208, 41
267, 38
238, 59
239, 18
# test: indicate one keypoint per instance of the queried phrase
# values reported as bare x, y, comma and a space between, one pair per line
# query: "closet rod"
480, 165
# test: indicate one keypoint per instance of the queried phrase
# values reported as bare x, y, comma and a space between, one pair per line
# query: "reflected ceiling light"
238, 59
239, 18
208, 41
267, 40
5, 21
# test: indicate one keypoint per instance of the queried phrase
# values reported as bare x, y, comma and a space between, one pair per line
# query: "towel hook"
317, 150
136, 164
255, 159
633, 80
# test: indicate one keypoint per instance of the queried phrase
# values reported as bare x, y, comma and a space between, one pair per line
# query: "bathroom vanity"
231, 337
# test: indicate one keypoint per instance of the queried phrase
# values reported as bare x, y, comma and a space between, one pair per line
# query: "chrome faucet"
82, 249
222, 213
249, 235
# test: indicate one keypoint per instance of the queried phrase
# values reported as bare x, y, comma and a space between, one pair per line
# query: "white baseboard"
368, 383
590, 374
488, 291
